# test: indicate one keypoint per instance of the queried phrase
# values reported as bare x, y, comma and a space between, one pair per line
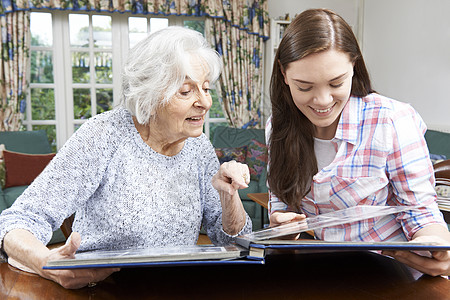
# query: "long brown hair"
292, 159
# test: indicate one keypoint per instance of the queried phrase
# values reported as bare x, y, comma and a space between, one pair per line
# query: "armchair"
26, 142
227, 137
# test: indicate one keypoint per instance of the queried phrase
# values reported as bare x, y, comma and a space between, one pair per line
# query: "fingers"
427, 265
434, 263
231, 176
71, 246
278, 218
75, 279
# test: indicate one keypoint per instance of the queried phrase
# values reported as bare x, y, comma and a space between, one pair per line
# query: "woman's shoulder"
375, 100
386, 108
390, 113
105, 130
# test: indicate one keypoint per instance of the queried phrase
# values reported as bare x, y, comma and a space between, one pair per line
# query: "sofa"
438, 142
28, 146
246, 146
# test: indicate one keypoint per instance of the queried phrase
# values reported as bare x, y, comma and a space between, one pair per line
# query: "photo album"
250, 248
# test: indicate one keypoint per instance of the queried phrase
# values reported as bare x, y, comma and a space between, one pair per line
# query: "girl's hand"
280, 218
435, 264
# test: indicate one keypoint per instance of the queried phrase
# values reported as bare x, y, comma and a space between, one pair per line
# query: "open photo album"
250, 248
160, 256
271, 238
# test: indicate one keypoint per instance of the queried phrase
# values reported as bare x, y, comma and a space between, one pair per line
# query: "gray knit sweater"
124, 194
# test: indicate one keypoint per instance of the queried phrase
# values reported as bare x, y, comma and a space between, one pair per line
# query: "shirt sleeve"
69, 179
411, 173
212, 208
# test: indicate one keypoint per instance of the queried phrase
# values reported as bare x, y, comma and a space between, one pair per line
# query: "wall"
348, 9
406, 45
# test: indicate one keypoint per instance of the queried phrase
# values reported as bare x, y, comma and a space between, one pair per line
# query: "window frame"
62, 69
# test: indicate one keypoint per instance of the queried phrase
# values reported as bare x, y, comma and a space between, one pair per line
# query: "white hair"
157, 67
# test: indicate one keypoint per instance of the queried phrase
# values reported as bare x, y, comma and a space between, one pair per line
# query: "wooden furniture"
345, 275
263, 200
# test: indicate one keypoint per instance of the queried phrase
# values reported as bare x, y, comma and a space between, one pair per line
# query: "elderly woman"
141, 175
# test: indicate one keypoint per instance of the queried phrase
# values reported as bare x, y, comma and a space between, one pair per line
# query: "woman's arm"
231, 177
26, 252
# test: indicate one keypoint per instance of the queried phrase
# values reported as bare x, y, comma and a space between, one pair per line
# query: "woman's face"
184, 115
320, 86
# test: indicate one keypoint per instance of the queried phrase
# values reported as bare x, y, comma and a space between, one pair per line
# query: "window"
76, 60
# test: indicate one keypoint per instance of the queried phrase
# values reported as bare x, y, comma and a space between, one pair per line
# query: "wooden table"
286, 275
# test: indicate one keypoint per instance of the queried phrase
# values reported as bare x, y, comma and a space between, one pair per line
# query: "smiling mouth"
323, 111
195, 118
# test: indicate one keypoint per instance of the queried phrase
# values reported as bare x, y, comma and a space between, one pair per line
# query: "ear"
283, 72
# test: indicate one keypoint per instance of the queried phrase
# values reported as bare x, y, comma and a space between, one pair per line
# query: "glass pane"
104, 100
41, 67
80, 67
42, 104
81, 103
158, 23
137, 30
41, 29
195, 25
51, 134
216, 110
79, 30
212, 127
102, 31
103, 67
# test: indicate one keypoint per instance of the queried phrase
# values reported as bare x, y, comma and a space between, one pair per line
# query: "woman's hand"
437, 262
280, 218
231, 177
74, 278
27, 253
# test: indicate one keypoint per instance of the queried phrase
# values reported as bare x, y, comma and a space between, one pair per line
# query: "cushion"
22, 169
256, 159
33, 142
229, 153
12, 193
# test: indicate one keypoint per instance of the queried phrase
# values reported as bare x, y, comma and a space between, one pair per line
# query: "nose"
323, 98
203, 99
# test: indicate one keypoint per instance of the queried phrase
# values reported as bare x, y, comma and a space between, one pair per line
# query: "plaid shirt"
382, 159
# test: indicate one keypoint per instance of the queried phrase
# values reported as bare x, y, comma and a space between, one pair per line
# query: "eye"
337, 85
303, 89
206, 90
185, 93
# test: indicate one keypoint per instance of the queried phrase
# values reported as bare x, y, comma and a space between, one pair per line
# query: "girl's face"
320, 86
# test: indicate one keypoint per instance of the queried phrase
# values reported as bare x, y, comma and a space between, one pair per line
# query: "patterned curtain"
241, 48
13, 67
236, 28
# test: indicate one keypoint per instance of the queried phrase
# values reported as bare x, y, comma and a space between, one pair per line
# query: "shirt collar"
348, 126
